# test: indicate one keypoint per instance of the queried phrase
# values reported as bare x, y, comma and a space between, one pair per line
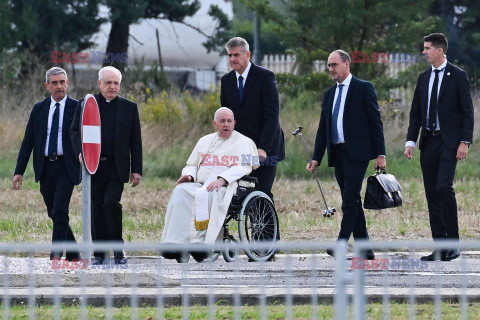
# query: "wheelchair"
254, 213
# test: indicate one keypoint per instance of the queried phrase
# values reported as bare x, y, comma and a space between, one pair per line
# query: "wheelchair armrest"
248, 182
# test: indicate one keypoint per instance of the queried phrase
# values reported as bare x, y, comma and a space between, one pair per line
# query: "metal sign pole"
86, 203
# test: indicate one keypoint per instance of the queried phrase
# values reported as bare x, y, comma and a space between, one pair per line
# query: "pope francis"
199, 203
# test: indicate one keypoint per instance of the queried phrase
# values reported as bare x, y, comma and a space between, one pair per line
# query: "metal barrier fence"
300, 275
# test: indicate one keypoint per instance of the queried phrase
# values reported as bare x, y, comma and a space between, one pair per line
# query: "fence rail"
301, 274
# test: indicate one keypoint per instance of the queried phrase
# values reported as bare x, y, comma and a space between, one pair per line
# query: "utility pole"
257, 55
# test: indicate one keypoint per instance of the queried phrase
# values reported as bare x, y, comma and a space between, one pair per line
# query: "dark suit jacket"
128, 139
362, 124
455, 107
257, 114
36, 137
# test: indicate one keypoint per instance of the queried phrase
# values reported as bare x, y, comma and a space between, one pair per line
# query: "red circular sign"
91, 133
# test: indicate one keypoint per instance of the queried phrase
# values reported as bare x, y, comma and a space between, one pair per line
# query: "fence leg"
341, 280
359, 298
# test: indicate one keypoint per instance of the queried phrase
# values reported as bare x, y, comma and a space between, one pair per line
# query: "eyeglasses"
332, 65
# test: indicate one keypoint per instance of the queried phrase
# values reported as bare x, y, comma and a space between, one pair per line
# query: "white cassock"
191, 207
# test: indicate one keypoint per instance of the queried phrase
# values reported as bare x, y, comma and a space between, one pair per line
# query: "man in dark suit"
54, 162
120, 160
442, 108
351, 131
251, 93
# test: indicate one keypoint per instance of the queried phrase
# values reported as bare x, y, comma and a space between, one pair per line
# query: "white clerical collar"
347, 80
441, 67
245, 73
61, 102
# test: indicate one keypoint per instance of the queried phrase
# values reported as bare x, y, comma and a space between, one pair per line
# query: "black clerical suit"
257, 116
438, 147
57, 174
363, 141
121, 155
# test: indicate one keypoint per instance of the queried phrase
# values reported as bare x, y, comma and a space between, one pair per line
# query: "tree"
123, 13
460, 20
313, 28
244, 26
5, 26
50, 25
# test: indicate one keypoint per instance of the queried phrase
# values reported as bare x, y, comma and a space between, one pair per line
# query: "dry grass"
24, 219
298, 202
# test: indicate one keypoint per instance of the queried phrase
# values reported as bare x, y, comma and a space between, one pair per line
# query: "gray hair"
53, 72
220, 110
344, 55
237, 42
109, 68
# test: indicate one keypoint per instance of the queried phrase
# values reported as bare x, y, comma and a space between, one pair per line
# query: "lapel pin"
448, 73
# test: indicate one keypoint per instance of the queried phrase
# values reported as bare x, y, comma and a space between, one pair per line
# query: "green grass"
277, 311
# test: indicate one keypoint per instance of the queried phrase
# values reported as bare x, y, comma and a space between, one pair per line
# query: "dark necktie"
240, 87
336, 110
432, 114
52, 145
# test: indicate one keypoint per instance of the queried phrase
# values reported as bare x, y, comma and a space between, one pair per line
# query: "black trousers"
438, 167
107, 189
350, 174
266, 175
56, 188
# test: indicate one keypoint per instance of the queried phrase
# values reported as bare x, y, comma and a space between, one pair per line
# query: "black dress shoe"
120, 260
98, 261
452, 254
171, 254
199, 256
73, 256
56, 255
368, 255
436, 255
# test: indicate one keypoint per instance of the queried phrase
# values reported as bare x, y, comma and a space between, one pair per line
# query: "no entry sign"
91, 133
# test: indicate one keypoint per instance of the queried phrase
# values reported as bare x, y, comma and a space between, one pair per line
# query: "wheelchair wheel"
230, 255
257, 222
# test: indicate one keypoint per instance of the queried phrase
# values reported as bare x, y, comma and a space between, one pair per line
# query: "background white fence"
286, 63
396, 63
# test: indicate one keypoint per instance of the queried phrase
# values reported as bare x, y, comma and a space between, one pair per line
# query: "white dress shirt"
430, 86
60, 125
244, 74
346, 85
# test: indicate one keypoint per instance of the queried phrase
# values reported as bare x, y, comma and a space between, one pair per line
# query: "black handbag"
383, 191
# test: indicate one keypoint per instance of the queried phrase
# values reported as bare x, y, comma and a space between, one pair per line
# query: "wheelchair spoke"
259, 224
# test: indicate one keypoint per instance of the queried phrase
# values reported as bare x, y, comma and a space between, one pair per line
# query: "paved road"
396, 270
295, 277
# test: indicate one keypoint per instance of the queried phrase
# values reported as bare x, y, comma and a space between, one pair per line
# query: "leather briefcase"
383, 191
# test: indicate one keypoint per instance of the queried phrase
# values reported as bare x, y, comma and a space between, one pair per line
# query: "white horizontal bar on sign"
91, 134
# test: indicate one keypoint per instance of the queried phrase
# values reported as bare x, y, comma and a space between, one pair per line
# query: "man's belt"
432, 133
55, 158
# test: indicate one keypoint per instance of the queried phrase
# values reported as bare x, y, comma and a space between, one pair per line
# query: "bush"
202, 108
291, 85
163, 110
